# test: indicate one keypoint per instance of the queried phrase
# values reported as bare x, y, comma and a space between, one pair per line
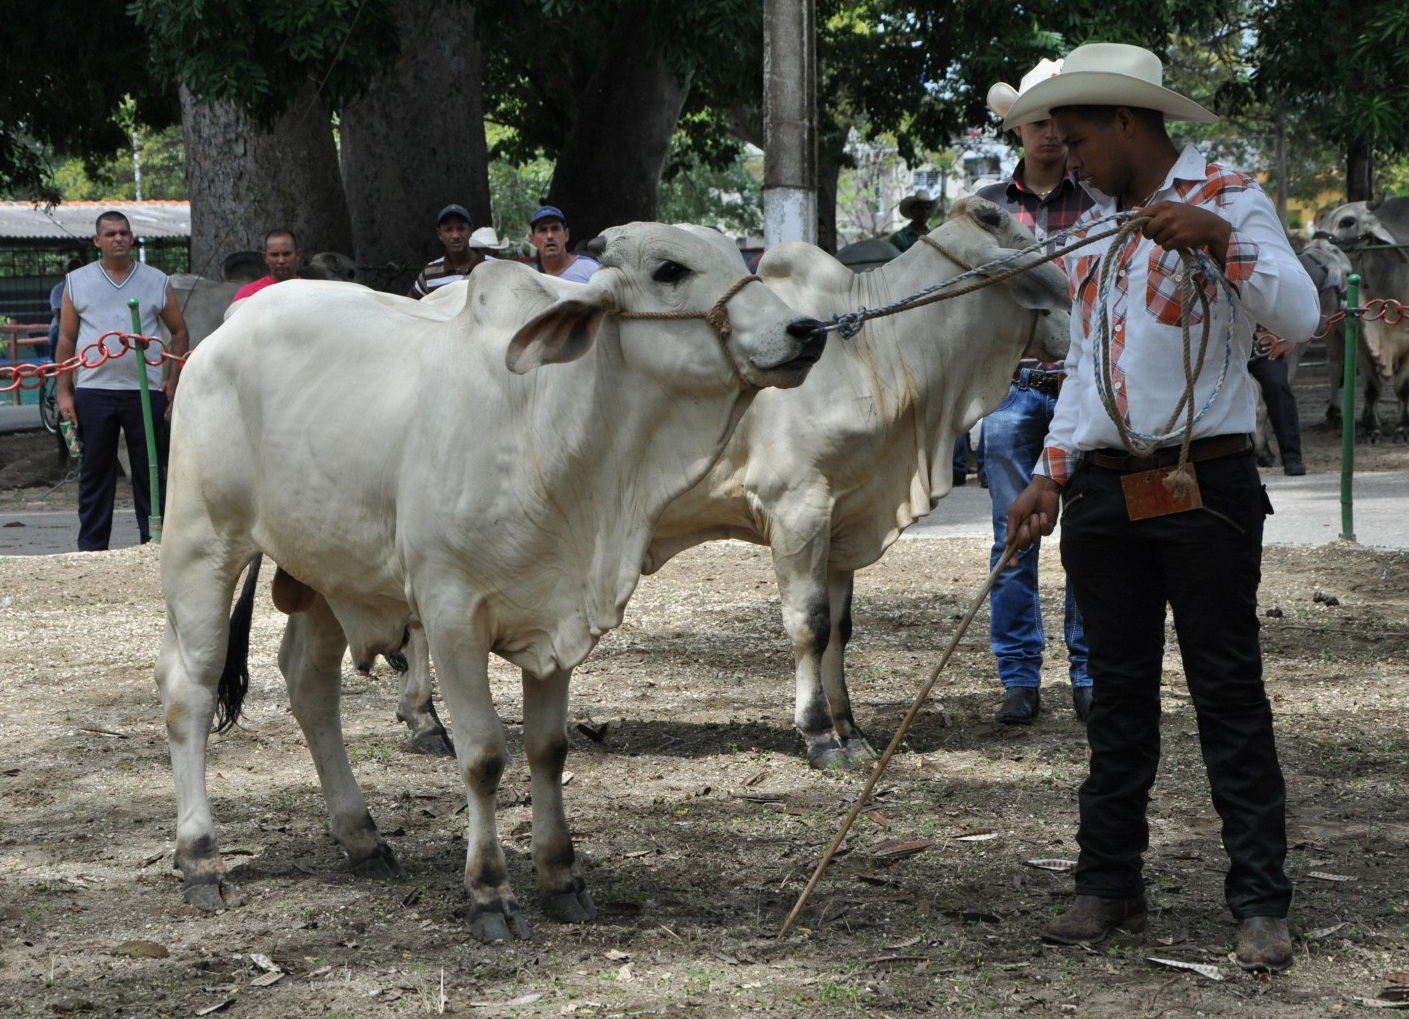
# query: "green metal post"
153, 472
1352, 344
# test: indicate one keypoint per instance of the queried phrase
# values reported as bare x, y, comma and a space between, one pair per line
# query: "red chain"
32, 376
1381, 308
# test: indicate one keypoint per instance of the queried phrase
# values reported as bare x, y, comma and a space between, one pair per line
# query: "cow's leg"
461, 653
417, 709
852, 741
310, 658
564, 894
193, 648
1401, 429
1370, 417
808, 618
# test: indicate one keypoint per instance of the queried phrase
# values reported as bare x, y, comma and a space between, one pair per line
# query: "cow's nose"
807, 329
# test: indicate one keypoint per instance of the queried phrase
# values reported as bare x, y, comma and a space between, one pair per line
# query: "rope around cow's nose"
717, 317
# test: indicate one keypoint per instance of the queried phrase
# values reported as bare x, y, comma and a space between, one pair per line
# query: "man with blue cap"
548, 230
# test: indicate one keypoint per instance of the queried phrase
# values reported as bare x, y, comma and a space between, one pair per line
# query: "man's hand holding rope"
1175, 226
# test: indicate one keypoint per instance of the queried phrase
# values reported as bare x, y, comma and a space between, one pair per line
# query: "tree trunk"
828, 171
1359, 171
243, 182
608, 171
415, 143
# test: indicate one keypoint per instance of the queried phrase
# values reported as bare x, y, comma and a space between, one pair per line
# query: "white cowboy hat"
908, 203
1106, 74
485, 237
1002, 96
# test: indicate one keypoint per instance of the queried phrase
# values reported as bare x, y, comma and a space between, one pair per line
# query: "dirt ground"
697, 819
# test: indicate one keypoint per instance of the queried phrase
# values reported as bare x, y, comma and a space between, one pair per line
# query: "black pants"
102, 413
1273, 378
1206, 565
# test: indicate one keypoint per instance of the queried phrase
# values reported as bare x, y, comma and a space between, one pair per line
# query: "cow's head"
1329, 270
684, 308
983, 235
1353, 225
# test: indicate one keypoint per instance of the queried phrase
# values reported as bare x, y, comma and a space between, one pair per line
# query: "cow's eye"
1347, 222
670, 272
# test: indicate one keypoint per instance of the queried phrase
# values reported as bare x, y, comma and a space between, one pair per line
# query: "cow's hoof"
574, 906
213, 896
832, 754
379, 863
1373, 438
436, 744
1264, 458
397, 661
491, 924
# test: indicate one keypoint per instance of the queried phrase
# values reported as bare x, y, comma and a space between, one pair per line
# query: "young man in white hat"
1047, 199
917, 208
1177, 521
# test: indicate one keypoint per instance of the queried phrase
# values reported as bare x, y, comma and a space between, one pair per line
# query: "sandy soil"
697, 819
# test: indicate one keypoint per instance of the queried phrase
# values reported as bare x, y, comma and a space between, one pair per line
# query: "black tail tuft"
235, 679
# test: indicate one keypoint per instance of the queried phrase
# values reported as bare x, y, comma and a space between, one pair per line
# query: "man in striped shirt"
452, 226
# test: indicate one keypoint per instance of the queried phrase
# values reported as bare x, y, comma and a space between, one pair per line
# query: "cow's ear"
564, 332
1039, 290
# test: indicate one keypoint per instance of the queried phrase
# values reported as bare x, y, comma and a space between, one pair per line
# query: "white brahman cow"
403, 459
1381, 259
828, 476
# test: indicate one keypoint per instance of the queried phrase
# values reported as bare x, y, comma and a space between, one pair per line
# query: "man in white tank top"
105, 399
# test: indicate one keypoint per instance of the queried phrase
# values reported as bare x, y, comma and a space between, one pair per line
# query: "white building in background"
879, 180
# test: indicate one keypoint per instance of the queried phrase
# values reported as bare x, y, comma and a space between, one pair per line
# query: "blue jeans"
1012, 444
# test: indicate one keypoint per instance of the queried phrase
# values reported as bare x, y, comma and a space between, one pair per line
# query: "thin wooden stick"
905, 724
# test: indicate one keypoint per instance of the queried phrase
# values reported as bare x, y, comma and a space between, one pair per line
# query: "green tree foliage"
1341, 69
63, 80
258, 54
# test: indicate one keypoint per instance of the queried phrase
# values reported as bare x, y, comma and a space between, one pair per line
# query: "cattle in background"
1379, 256
405, 460
1330, 271
205, 301
830, 474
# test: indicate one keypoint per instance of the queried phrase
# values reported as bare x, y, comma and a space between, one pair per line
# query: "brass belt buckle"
1160, 492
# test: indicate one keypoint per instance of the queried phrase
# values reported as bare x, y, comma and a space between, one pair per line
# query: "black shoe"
1293, 467
1264, 943
1091, 918
1021, 705
982, 479
1081, 702
960, 479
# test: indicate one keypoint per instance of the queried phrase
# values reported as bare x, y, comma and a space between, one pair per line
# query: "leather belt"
1212, 448
1039, 379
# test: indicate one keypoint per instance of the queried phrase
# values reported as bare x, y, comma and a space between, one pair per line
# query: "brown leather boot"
1091, 918
1264, 942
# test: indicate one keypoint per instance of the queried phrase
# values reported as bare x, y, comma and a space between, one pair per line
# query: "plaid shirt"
1043, 216
1147, 371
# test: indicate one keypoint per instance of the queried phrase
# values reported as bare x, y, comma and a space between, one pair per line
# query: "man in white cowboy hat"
1157, 511
917, 208
1046, 198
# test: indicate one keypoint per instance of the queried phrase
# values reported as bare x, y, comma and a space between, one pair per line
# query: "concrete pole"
789, 121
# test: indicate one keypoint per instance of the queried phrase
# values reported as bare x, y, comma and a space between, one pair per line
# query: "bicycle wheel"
49, 405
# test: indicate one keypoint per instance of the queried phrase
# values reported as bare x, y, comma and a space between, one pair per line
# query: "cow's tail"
235, 679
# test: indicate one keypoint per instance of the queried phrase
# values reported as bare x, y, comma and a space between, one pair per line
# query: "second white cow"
829, 475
